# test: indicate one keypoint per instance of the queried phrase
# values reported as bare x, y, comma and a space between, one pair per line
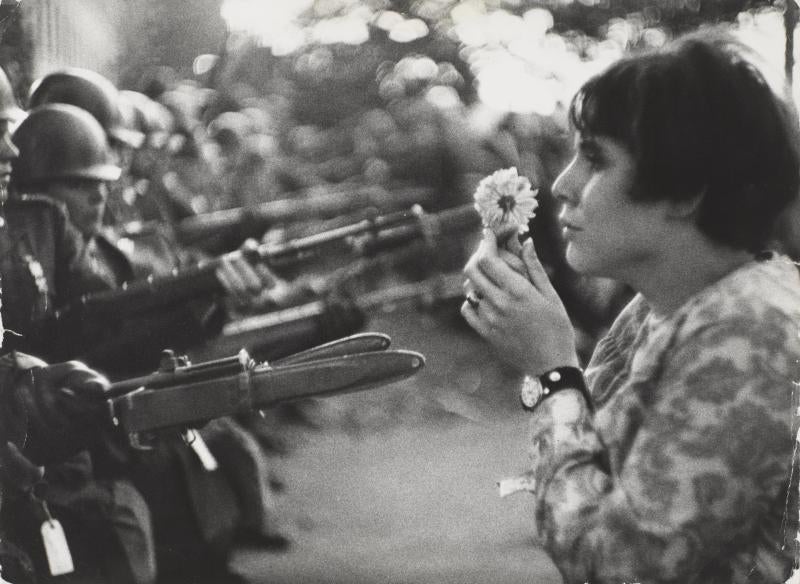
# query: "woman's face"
606, 232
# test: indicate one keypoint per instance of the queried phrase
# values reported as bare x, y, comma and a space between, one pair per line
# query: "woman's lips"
568, 229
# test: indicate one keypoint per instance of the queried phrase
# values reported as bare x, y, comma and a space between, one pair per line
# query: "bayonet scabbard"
212, 392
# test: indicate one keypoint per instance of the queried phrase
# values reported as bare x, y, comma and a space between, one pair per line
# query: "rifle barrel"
446, 286
379, 233
302, 207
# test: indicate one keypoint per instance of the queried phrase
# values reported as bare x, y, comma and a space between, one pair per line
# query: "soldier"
45, 412
247, 175
151, 162
64, 156
94, 93
43, 257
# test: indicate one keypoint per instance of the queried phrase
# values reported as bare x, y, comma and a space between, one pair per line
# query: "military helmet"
90, 91
58, 141
9, 110
152, 118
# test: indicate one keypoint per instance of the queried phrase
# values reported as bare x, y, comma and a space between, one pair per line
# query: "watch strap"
562, 378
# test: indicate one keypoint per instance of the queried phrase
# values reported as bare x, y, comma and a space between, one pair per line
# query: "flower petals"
506, 201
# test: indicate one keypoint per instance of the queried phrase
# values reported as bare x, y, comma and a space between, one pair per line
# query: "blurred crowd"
136, 221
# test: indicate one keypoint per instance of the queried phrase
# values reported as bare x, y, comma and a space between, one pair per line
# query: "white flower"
505, 201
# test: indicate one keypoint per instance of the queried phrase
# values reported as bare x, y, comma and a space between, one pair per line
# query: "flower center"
506, 203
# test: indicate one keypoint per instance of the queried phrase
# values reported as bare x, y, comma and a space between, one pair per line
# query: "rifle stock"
365, 237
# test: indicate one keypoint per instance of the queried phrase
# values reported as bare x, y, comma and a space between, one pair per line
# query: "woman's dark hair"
700, 119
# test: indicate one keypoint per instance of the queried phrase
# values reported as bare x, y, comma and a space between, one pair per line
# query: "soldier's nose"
7, 149
98, 194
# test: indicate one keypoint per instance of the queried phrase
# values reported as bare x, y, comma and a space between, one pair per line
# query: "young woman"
669, 458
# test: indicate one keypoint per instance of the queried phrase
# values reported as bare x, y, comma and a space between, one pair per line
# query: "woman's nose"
565, 188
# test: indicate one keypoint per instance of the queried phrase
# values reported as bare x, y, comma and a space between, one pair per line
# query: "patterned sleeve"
707, 456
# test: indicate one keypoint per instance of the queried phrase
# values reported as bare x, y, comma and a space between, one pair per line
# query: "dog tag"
59, 557
200, 448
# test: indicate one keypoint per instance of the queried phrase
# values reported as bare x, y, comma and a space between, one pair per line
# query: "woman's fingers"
481, 316
503, 277
487, 252
514, 262
484, 288
536, 272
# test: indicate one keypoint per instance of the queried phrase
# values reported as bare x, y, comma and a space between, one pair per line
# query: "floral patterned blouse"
683, 473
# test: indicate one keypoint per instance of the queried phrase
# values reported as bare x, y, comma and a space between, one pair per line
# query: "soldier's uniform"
46, 263
195, 512
43, 263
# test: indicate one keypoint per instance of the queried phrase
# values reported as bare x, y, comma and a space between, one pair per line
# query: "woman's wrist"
537, 389
542, 366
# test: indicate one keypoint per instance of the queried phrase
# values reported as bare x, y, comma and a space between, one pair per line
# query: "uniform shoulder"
32, 200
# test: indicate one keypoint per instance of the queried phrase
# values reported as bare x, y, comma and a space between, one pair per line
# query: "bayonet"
183, 396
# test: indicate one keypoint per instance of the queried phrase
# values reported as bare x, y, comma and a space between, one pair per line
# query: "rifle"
362, 238
261, 334
240, 223
185, 396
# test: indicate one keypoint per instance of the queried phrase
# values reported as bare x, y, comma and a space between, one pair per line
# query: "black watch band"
558, 379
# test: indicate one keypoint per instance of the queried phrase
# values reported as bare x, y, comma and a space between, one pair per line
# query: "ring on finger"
473, 300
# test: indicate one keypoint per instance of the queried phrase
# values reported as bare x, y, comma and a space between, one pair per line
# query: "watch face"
531, 392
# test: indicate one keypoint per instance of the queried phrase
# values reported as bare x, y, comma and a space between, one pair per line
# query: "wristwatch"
536, 389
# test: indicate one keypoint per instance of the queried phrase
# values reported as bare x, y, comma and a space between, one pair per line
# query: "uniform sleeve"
709, 453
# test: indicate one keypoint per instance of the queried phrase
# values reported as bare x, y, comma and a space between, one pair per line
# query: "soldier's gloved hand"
17, 471
64, 406
342, 316
251, 284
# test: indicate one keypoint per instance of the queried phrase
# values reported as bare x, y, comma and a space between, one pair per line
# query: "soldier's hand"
252, 285
342, 316
17, 471
64, 404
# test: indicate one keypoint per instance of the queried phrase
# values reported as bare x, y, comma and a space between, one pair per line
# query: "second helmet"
87, 90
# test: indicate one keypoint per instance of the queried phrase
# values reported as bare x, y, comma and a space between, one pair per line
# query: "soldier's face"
85, 200
8, 152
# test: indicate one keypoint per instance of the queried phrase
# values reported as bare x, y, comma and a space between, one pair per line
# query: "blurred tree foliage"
327, 81
158, 35
379, 90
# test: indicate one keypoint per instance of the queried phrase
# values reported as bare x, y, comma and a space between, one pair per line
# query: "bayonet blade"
354, 344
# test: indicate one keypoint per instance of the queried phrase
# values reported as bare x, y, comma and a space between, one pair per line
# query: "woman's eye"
594, 159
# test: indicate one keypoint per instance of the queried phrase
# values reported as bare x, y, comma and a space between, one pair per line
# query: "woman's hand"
519, 314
